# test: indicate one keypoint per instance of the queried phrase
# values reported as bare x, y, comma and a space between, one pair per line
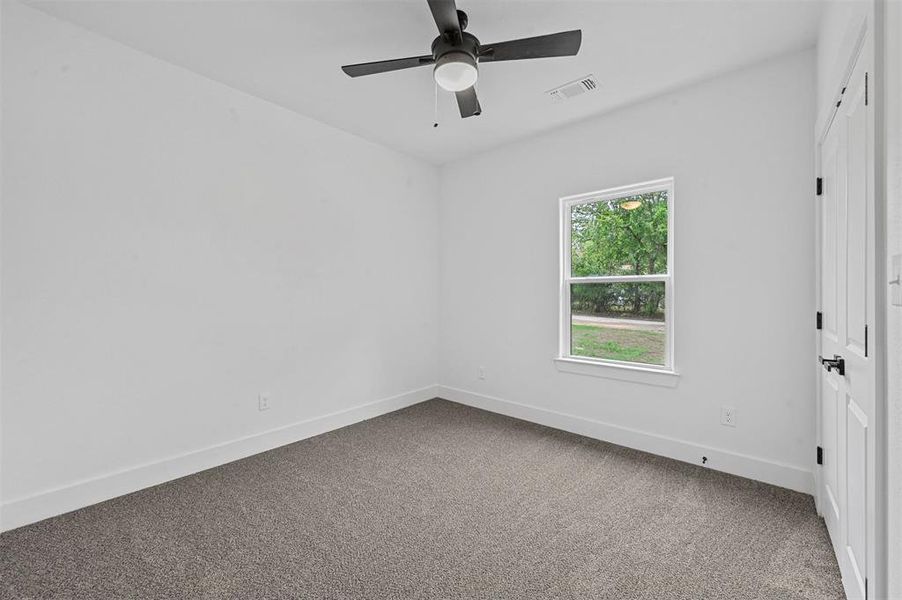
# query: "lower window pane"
618, 321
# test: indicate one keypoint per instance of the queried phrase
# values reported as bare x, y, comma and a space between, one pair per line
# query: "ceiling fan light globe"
630, 204
455, 71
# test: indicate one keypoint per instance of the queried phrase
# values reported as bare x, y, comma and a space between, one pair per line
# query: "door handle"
837, 362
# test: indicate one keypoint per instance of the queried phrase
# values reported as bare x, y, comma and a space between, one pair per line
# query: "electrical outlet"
263, 402
728, 416
480, 372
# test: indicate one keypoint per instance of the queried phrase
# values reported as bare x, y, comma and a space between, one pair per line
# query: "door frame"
868, 47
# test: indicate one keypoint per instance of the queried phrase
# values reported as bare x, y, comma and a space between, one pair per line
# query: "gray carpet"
435, 501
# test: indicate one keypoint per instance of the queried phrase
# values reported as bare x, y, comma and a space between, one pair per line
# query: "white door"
846, 387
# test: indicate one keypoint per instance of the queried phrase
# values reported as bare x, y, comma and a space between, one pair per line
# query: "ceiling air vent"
574, 88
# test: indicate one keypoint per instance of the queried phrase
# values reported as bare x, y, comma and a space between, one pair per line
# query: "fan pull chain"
435, 105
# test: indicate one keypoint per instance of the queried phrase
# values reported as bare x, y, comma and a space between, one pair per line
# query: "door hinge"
819, 186
841, 94
865, 588
865, 341
819, 320
865, 89
820, 455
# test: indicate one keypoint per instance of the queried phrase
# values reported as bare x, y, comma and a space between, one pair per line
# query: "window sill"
635, 374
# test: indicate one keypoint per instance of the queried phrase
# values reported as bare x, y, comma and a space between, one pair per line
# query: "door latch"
837, 362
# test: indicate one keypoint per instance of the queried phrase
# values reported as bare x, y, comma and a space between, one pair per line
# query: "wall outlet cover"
728, 416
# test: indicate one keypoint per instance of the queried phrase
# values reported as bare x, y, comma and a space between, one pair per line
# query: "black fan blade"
468, 103
566, 43
383, 66
445, 14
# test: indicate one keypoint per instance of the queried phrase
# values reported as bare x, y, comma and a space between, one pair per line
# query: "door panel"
856, 222
856, 490
829, 288
830, 414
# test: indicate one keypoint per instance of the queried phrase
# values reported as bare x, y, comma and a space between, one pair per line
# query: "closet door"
846, 386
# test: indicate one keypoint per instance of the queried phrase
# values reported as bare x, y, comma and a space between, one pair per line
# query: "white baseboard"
49, 503
779, 474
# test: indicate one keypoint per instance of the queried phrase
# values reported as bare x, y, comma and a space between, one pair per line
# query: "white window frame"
578, 363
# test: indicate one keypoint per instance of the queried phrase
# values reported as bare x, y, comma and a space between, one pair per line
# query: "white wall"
741, 151
171, 248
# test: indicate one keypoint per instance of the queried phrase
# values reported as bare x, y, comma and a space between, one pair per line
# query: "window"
617, 276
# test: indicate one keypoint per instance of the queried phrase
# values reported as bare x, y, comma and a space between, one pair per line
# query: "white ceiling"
290, 52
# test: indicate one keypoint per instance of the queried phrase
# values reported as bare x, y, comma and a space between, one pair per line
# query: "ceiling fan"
456, 54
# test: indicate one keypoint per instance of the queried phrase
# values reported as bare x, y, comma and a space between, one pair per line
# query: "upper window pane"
623, 236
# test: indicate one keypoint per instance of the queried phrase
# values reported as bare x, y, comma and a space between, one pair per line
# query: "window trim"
565, 279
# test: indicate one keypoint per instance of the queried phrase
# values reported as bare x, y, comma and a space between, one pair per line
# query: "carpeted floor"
435, 501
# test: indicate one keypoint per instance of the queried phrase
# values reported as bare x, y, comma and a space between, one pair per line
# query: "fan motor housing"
468, 44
